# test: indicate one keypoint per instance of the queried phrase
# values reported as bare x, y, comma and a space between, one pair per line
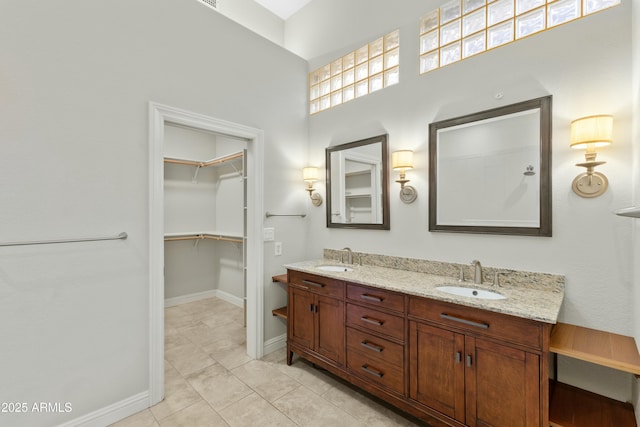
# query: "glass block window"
370, 68
463, 28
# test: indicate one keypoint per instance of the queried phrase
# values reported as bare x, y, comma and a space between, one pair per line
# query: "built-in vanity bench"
449, 360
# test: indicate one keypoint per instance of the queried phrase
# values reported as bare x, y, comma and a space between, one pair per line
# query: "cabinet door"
437, 369
503, 385
300, 317
330, 329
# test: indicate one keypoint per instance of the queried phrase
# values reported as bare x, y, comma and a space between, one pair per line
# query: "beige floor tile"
228, 353
266, 379
188, 358
317, 380
365, 409
175, 339
218, 386
278, 357
254, 411
177, 396
306, 408
175, 317
197, 415
171, 375
141, 419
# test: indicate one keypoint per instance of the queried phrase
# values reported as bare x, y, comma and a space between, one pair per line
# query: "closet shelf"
169, 237
205, 163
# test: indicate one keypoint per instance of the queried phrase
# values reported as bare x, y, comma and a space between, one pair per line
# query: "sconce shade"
591, 132
310, 174
402, 159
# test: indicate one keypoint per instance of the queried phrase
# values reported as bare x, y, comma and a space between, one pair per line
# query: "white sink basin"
336, 268
470, 292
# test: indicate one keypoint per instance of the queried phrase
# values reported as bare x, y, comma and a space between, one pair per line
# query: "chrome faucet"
349, 255
477, 273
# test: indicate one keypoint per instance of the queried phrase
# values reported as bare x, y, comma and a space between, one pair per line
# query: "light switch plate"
268, 234
277, 248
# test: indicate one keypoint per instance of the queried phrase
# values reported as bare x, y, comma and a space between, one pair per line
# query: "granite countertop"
522, 301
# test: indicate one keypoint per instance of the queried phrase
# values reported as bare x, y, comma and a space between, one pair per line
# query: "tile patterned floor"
210, 381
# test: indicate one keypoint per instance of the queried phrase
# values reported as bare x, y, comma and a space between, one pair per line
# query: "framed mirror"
358, 184
490, 172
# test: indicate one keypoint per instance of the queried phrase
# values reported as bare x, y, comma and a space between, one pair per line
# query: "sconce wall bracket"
316, 198
408, 194
590, 184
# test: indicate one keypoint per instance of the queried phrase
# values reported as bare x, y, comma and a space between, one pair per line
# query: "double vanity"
448, 352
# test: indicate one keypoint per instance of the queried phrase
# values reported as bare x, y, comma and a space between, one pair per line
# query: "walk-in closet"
204, 216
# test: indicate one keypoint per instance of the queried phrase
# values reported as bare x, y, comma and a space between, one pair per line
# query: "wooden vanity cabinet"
315, 323
476, 367
448, 364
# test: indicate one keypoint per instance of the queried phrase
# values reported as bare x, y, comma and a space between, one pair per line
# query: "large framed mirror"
358, 184
490, 172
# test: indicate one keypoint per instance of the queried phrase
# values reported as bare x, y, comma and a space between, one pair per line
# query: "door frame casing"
159, 115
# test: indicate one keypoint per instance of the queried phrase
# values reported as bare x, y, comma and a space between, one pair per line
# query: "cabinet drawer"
502, 326
375, 320
376, 371
376, 297
317, 284
375, 347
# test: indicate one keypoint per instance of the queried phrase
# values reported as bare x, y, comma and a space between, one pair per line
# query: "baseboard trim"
112, 413
275, 344
170, 302
237, 301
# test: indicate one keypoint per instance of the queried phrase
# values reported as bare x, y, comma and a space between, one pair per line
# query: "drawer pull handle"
469, 360
465, 321
372, 346
310, 283
372, 321
373, 372
371, 298
458, 357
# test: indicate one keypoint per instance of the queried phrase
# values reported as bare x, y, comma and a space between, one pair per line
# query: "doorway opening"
159, 117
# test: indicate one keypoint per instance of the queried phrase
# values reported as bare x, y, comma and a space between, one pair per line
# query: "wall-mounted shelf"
200, 235
198, 164
204, 163
573, 407
282, 311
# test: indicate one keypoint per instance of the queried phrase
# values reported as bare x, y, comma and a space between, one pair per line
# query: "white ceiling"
283, 8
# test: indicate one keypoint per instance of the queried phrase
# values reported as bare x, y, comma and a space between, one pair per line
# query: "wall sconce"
310, 175
402, 160
590, 133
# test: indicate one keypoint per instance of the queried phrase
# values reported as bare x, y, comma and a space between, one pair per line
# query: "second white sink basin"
470, 292
336, 268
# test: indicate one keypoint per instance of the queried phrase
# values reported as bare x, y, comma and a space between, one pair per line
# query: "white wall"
585, 65
76, 79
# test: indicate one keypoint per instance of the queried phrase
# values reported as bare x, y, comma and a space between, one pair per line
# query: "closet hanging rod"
269, 215
120, 236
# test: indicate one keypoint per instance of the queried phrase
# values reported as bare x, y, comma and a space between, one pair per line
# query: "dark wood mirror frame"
386, 222
544, 229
